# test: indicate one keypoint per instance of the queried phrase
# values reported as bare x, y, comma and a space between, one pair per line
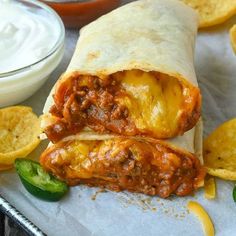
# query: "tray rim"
18, 218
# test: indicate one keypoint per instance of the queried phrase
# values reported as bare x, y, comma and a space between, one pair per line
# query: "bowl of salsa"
77, 13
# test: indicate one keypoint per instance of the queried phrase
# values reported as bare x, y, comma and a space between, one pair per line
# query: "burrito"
149, 166
124, 115
131, 74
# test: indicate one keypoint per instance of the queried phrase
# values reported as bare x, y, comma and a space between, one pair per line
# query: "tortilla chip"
220, 151
19, 133
212, 12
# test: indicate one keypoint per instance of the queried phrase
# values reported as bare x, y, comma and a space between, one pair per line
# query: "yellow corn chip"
212, 12
19, 133
220, 151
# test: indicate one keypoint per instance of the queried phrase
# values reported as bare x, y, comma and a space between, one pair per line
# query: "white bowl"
18, 85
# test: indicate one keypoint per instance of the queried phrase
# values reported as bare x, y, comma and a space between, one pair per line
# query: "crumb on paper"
143, 202
146, 203
94, 196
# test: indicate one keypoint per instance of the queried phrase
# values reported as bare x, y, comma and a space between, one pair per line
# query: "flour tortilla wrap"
147, 41
147, 46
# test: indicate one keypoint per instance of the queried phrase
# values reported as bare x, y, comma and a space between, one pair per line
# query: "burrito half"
148, 166
131, 74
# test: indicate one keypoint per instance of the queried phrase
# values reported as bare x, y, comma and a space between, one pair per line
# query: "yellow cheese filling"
154, 102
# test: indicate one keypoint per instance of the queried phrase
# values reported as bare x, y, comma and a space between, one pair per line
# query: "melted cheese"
81, 163
154, 102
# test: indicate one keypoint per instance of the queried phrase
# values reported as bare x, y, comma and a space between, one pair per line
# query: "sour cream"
25, 37
32, 40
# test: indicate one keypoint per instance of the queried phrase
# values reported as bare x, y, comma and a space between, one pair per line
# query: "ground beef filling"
89, 101
136, 166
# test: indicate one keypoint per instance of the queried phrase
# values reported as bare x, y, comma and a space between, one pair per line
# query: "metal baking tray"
24, 223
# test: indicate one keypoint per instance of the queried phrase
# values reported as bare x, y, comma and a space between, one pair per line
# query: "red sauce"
126, 164
89, 101
78, 14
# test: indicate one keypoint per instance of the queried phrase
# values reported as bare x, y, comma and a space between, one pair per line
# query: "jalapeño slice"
38, 182
234, 193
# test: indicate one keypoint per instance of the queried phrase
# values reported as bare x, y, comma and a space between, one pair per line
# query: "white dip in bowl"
31, 46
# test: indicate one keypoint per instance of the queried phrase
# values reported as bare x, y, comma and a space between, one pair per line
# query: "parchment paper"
124, 213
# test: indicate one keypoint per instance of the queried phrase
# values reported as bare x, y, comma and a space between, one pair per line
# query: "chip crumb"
210, 188
94, 196
143, 202
232, 34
